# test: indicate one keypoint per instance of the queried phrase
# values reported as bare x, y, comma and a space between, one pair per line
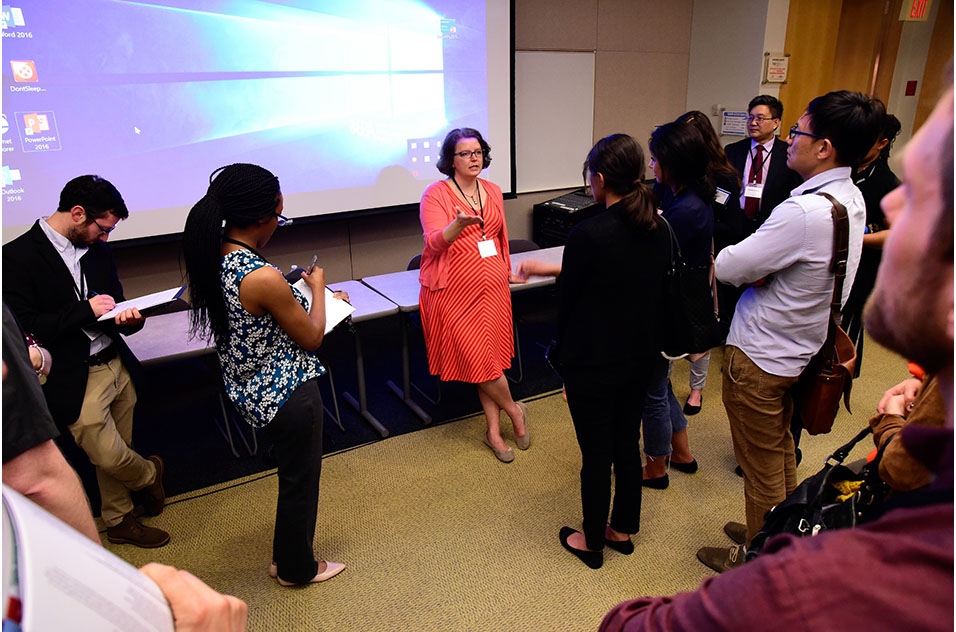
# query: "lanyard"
481, 208
765, 155
244, 245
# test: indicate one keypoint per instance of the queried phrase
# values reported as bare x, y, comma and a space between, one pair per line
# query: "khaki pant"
759, 407
104, 431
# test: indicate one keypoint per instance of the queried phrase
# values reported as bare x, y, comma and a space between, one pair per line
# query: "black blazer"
610, 294
781, 180
39, 289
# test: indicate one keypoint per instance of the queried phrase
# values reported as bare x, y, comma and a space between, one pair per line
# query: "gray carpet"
438, 535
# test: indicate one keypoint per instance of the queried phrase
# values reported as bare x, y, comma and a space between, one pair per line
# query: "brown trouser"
104, 431
759, 407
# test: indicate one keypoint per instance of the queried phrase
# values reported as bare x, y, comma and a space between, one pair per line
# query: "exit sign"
915, 10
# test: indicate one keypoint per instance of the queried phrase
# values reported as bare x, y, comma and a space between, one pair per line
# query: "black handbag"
691, 318
817, 504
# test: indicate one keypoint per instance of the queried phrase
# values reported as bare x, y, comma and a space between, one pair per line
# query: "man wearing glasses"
781, 319
58, 279
761, 161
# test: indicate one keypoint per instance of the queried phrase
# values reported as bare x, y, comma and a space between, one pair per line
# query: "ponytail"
239, 195
202, 240
620, 159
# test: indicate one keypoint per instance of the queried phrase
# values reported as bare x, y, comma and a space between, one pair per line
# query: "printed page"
66, 582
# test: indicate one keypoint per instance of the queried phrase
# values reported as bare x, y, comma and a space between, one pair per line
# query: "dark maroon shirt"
895, 573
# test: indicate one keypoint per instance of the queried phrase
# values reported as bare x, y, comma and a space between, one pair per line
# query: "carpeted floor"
438, 535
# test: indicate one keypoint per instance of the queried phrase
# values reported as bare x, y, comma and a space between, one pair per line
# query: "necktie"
752, 204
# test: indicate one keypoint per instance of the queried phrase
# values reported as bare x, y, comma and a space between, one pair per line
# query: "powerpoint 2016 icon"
23, 70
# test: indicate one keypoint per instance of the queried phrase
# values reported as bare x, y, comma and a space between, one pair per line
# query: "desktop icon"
35, 123
23, 70
12, 16
10, 175
4, 126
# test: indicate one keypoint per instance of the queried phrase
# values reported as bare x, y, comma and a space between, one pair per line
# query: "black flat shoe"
661, 482
594, 559
691, 410
626, 547
686, 468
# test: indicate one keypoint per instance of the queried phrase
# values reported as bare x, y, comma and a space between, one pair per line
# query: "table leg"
404, 393
361, 406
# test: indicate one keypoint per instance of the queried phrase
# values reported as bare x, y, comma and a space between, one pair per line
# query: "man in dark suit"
59, 278
764, 172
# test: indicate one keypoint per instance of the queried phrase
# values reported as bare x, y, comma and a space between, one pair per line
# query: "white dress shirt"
781, 324
71, 256
764, 168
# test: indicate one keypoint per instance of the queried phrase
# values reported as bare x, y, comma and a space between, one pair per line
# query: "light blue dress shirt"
782, 324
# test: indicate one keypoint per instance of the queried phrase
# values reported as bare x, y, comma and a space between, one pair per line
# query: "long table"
402, 288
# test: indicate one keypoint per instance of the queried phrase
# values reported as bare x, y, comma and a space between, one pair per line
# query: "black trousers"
607, 420
296, 433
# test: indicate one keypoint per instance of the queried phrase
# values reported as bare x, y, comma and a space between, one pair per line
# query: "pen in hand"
312, 265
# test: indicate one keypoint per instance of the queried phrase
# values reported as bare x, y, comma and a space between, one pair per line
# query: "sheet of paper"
69, 583
336, 310
145, 302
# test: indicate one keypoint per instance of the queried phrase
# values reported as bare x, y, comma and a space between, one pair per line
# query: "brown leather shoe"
131, 531
736, 531
154, 496
720, 558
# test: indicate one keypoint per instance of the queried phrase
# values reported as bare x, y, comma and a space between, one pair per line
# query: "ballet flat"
524, 442
331, 570
505, 456
594, 559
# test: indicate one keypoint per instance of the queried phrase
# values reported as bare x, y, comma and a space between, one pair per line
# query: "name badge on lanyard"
486, 248
753, 191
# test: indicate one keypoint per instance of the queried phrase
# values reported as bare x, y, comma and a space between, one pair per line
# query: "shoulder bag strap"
841, 249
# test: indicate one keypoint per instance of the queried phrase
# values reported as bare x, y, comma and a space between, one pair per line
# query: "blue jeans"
663, 416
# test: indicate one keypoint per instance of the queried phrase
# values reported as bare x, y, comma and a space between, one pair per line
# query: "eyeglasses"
283, 220
760, 119
465, 155
103, 231
795, 132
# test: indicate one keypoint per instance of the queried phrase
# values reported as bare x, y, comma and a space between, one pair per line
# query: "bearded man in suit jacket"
59, 278
767, 179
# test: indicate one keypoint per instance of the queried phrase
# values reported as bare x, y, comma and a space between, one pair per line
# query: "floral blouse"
261, 364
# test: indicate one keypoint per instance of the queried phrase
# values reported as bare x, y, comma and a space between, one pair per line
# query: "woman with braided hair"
604, 358
265, 336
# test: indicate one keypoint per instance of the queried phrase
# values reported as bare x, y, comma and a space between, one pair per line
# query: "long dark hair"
239, 195
719, 168
680, 151
620, 159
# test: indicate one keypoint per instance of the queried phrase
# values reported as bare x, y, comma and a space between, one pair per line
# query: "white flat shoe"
331, 570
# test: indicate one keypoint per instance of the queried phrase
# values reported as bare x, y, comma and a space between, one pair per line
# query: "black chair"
415, 263
532, 308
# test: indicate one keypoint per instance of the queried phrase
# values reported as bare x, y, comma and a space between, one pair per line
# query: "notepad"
143, 303
336, 310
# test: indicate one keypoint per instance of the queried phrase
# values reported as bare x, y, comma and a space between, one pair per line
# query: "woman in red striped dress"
465, 300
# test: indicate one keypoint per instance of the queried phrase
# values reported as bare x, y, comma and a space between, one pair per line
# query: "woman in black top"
728, 229
874, 179
604, 350
679, 160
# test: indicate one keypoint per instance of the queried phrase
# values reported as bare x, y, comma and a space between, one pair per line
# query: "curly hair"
446, 157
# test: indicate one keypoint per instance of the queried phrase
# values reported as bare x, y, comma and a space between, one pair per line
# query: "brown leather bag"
830, 372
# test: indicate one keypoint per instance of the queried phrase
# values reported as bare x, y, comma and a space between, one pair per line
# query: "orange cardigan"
436, 212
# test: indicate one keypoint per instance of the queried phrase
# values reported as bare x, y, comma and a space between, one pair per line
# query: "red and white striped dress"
467, 322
